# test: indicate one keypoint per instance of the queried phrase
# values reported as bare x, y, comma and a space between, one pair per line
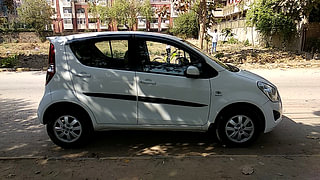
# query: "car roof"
84, 36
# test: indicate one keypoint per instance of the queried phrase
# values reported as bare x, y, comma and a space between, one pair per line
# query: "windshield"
226, 66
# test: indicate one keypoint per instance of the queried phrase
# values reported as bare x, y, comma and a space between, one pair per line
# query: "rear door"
165, 95
104, 78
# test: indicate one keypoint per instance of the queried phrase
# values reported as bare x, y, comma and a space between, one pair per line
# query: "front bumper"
273, 115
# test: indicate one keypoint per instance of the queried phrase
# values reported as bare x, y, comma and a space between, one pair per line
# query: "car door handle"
148, 82
83, 75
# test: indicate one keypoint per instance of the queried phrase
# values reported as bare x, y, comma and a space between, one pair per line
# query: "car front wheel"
238, 127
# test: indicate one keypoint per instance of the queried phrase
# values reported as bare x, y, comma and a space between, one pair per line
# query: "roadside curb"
157, 157
22, 69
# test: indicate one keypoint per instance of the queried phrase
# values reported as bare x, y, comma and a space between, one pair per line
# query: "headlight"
270, 91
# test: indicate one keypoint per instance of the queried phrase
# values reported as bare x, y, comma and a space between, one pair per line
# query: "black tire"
238, 127
69, 129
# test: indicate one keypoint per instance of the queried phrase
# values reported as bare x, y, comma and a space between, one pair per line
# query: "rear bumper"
44, 103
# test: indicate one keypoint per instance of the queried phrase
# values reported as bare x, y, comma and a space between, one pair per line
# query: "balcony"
66, 3
142, 26
81, 15
68, 26
82, 26
67, 15
155, 26
90, 15
103, 26
218, 12
236, 8
228, 10
241, 23
164, 25
93, 26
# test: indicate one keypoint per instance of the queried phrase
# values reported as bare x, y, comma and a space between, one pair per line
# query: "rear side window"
115, 49
103, 53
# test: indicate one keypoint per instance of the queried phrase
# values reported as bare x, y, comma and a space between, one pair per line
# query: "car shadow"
21, 135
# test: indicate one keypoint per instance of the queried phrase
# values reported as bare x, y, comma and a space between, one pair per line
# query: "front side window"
161, 57
103, 54
166, 58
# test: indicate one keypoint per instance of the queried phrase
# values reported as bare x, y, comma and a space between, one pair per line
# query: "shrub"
186, 25
233, 40
246, 43
9, 62
219, 55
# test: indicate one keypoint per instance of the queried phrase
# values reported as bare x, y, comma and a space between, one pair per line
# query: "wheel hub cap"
239, 128
67, 129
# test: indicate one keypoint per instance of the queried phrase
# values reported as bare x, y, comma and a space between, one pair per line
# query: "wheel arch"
55, 107
240, 105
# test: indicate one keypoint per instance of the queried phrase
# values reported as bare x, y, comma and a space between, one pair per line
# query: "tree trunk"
148, 25
159, 23
202, 21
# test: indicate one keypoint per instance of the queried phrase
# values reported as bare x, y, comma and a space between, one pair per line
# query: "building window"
67, 21
81, 21
92, 20
67, 10
80, 10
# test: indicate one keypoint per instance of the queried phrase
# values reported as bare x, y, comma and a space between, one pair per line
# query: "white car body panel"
192, 96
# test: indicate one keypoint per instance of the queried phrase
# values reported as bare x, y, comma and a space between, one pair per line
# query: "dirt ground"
247, 57
224, 167
7, 49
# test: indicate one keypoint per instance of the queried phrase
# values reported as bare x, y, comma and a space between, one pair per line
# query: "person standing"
215, 38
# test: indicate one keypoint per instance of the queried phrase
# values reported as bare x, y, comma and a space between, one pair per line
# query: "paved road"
297, 138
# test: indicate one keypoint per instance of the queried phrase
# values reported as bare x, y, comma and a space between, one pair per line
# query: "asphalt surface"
293, 146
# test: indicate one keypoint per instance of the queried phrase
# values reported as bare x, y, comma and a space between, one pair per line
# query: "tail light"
52, 64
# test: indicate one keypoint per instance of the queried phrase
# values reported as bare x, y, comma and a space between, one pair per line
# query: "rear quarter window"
102, 53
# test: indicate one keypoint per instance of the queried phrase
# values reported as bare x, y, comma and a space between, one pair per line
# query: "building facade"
233, 16
73, 15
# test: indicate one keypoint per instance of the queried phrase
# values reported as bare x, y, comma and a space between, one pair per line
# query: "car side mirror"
192, 72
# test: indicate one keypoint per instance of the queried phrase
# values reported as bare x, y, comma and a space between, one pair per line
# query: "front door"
104, 80
165, 95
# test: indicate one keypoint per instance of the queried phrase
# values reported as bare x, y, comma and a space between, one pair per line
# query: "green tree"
270, 21
186, 25
147, 12
125, 12
162, 12
296, 9
36, 13
206, 18
228, 32
10, 5
280, 16
94, 10
120, 12
182, 6
133, 13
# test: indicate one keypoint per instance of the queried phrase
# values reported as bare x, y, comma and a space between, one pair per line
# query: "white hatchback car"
135, 80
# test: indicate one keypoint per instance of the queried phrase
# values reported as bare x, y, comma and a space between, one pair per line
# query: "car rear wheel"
69, 129
238, 127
